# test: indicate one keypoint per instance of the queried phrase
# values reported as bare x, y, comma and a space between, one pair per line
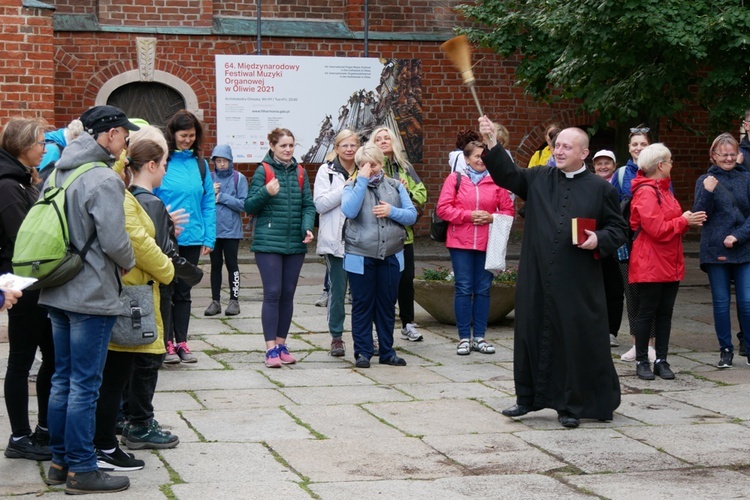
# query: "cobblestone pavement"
432, 429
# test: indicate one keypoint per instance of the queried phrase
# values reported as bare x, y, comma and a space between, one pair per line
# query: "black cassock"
562, 356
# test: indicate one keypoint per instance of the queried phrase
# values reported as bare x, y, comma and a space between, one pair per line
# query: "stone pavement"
433, 429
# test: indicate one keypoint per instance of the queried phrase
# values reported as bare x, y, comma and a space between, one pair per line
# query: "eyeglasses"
726, 156
643, 130
42, 143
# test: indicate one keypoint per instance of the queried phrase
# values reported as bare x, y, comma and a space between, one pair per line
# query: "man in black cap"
83, 310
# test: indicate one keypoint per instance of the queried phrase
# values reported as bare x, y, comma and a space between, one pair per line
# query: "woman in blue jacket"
187, 186
230, 187
724, 193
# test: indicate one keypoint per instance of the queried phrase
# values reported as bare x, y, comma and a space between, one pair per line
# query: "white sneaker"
410, 333
613, 341
651, 354
629, 356
322, 300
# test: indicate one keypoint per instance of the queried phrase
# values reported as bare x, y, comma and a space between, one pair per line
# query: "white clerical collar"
570, 175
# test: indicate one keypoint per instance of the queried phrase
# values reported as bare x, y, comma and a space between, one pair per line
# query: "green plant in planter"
510, 275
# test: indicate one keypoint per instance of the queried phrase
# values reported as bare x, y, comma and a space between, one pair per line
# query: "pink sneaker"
272, 358
171, 358
183, 351
286, 358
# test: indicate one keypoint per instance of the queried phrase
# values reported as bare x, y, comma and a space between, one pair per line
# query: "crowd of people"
367, 198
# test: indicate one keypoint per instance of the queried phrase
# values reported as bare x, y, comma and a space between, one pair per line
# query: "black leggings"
406, 288
225, 250
279, 275
181, 299
655, 308
28, 327
116, 374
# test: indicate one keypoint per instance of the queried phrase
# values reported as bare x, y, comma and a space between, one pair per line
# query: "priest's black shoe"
643, 370
517, 411
568, 420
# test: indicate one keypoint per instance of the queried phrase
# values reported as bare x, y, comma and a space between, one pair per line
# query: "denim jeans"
720, 277
374, 295
336, 285
471, 301
80, 353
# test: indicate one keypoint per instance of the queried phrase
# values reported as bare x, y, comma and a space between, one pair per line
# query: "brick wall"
26, 65
74, 6
185, 13
84, 61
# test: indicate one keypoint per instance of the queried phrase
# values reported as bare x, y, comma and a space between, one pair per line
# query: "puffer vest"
374, 237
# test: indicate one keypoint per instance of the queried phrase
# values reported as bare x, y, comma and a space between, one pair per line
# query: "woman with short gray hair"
657, 263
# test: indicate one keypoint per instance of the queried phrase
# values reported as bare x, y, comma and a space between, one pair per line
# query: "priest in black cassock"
561, 356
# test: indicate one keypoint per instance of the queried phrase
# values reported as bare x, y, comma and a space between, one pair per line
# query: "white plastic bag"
497, 244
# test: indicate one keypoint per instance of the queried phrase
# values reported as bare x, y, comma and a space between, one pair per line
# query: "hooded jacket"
231, 200
456, 209
94, 203
182, 188
55, 143
17, 195
281, 221
657, 255
414, 186
151, 265
728, 211
329, 186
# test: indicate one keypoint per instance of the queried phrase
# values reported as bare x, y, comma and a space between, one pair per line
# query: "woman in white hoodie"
329, 186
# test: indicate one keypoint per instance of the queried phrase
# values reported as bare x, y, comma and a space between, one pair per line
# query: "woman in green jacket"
284, 212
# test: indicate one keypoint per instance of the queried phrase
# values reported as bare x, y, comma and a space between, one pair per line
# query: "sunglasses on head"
643, 130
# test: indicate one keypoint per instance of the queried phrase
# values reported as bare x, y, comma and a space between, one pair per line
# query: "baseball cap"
607, 153
103, 118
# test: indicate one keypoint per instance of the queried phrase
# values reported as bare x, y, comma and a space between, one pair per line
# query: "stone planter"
436, 297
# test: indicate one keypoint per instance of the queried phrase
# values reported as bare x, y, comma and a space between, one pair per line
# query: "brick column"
27, 71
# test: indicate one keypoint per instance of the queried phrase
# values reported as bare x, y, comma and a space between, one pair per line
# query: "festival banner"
315, 98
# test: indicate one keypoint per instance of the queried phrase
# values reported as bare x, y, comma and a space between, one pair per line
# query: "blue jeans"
374, 295
80, 352
720, 277
471, 301
336, 285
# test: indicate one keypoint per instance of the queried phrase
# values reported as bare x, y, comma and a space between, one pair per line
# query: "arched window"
151, 101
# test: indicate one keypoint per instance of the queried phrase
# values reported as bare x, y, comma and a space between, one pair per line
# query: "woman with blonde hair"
724, 194
137, 366
329, 187
397, 166
21, 150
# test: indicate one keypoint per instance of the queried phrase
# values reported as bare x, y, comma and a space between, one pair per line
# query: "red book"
578, 226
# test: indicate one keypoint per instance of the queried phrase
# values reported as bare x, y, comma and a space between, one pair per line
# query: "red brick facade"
59, 74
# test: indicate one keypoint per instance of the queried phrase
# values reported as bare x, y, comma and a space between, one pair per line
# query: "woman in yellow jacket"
152, 266
542, 156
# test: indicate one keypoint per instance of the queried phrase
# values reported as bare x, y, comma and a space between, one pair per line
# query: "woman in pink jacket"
657, 264
468, 200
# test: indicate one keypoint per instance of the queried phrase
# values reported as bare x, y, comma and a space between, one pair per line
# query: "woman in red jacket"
468, 208
657, 264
